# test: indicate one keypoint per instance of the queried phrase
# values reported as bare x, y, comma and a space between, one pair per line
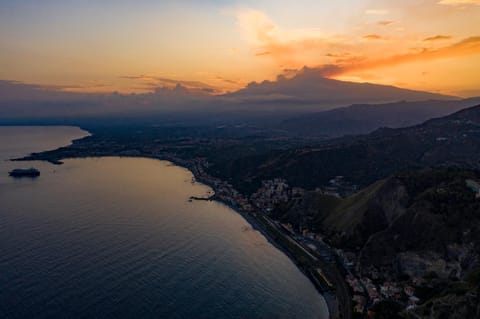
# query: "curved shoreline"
148, 230
256, 225
56, 157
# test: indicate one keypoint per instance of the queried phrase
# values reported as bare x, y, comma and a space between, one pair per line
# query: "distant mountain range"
308, 91
309, 87
365, 118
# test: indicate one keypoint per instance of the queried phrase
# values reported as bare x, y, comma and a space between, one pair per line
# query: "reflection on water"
118, 238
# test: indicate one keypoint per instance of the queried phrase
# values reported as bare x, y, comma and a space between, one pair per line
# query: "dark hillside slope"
421, 228
453, 140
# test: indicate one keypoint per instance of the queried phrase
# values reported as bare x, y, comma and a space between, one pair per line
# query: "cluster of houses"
276, 191
273, 192
364, 288
366, 293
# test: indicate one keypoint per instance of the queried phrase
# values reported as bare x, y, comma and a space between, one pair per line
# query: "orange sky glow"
221, 46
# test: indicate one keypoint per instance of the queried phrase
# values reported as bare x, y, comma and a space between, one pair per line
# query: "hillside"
418, 224
452, 140
352, 221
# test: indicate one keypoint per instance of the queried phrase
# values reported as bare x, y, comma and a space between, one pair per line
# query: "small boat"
27, 172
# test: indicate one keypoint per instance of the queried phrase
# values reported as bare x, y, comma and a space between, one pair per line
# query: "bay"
117, 238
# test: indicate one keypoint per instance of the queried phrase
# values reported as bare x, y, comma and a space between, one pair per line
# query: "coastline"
328, 295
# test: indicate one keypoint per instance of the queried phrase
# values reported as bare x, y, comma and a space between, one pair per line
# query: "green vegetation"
350, 211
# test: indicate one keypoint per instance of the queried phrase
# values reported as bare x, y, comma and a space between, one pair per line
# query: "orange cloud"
376, 12
386, 23
459, 2
438, 38
338, 55
294, 48
229, 81
373, 37
468, 46
364, 48
288, 47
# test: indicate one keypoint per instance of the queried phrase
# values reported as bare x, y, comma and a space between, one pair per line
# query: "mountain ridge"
306, 92
365, 118
364, 159
310, 86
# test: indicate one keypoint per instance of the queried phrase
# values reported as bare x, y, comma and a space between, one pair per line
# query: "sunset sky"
135, 46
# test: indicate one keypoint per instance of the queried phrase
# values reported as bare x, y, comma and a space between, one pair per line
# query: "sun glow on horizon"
215, 47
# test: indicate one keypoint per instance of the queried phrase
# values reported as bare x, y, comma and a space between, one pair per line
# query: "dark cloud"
157, 81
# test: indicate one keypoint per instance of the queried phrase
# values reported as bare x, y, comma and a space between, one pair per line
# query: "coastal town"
349, 293
232, 159
315, 258
365, 289
362, 293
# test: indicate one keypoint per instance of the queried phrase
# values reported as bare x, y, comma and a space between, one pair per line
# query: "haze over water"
117, 238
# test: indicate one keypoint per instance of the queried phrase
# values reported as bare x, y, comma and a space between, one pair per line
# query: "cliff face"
350, 222
419, 224
438, 230
409, 223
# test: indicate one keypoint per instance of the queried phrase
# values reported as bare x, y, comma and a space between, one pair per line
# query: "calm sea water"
117, 238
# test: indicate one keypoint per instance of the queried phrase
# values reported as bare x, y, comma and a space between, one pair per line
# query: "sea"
118, 238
